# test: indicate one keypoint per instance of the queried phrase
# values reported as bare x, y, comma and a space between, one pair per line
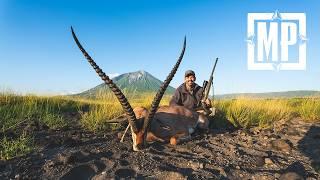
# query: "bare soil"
290, 150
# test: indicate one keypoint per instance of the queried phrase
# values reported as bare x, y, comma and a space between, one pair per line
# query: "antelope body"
165, 123
170, 124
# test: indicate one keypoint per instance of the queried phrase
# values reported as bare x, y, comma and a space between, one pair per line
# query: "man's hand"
207, 102
206, 105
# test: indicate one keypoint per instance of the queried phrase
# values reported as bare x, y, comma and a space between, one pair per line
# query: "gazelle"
165, 123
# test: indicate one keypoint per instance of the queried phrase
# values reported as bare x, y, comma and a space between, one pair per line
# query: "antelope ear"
203, 121
144, 113
140, 112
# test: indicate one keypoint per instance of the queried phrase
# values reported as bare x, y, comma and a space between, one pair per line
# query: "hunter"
189, 94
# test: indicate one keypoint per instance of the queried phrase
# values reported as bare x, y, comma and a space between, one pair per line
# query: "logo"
276, 41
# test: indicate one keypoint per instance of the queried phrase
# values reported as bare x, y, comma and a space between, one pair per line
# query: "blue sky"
38, 53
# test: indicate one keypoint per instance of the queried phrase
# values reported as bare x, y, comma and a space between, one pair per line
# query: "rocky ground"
290, 150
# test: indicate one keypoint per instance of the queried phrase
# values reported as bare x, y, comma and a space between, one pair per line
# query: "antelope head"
139, 118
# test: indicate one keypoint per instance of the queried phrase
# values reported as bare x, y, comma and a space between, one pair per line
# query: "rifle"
207, 85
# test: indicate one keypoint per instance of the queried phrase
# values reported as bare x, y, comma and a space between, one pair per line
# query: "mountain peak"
142, 72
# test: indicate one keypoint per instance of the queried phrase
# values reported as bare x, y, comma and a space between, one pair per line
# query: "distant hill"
284, 94
134, 82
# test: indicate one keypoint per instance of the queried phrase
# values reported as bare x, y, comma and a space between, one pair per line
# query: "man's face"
189, 80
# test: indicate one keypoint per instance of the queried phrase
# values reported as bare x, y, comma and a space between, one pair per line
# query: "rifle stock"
204, 86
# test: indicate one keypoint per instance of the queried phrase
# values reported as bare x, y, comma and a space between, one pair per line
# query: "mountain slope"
134, 82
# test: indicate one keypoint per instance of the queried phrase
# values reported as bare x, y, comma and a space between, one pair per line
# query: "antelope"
165, 123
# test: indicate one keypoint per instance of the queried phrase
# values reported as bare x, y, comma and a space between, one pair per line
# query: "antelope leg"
125, 132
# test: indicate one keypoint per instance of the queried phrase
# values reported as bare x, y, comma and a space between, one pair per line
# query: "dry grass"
107, 107
246, 112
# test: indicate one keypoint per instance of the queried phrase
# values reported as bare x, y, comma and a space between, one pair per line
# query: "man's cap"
188, 73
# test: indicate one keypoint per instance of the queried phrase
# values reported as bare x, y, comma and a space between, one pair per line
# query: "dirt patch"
222, 154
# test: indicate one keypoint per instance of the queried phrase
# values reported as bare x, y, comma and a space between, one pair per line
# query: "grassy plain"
57, 112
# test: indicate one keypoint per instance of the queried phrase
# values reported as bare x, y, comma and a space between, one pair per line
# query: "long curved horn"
158, 97
123, 100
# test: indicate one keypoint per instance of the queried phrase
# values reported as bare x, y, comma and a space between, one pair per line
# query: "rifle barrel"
207, 90
214, 67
